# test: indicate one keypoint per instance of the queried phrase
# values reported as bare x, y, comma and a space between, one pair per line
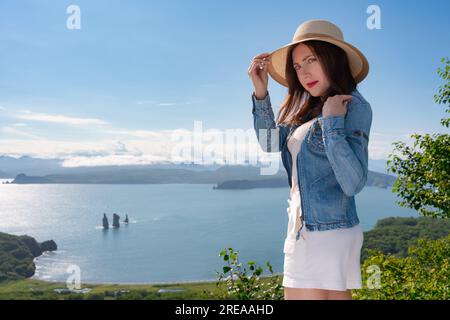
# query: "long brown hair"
334, 62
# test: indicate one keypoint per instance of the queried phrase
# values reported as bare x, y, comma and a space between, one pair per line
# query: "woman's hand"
257, 71
336, 105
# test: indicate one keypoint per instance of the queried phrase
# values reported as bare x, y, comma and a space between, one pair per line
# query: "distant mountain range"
148, 175
226, 177
374, 179
27, 170
10, 167
3, 175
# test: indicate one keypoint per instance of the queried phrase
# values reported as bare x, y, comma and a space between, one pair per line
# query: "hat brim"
359, 66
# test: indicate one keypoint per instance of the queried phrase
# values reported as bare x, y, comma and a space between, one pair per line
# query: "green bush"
95, 296
235, 282
423, 169
423, 274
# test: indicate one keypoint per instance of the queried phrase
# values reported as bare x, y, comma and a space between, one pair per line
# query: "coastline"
181, 282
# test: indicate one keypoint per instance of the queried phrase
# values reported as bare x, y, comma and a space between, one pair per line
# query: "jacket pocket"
328, 201
314, 138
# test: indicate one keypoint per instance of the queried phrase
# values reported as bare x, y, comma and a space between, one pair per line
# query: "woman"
322, 131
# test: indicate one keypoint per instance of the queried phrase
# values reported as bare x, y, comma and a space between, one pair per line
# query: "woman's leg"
339, 295
316, 294
305, 294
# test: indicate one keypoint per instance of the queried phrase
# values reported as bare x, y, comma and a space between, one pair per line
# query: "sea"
175, 231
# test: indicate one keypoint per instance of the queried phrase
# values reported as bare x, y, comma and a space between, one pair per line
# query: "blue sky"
137, 71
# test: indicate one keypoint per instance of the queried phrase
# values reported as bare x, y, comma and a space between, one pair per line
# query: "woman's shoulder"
358, 98
359, 111
359, 105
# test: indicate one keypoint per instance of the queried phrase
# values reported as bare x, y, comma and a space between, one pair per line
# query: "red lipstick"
311, 84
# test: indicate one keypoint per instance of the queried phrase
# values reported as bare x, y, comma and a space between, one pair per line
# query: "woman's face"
309, 71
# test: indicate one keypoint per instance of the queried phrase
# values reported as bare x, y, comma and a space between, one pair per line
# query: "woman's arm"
346, 140
271, 137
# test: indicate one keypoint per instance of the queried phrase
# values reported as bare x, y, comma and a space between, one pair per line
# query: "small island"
24, 179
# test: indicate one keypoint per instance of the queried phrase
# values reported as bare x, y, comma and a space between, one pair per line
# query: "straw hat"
318, 30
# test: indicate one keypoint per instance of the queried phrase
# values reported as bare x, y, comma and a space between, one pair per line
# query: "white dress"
318, 259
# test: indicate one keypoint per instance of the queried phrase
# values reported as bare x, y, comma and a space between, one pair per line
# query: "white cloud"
19, 124
112, 160
134, 133
42, 117
16, 132
147, 134
2, 108
160, 148
165, 104
124, 146
153, 103
145, 102
46, 149
381, 144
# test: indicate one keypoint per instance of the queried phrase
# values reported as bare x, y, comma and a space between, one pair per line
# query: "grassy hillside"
36, 289
394, 235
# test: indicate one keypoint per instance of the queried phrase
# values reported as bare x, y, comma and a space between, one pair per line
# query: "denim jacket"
332, 164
